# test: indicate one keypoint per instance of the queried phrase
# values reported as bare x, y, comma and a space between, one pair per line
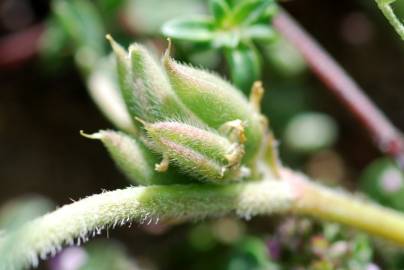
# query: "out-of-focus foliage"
105, 255
383, 181
310, 132
147, 16
233, 26
250, 253
18, 211
82, 23
297, 243
320, 246
284, 58
98, 255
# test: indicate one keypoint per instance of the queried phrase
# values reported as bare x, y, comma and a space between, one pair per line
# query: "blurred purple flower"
372, 266
391, 180
274, 248
71, 258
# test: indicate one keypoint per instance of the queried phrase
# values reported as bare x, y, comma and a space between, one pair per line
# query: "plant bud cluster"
184, 116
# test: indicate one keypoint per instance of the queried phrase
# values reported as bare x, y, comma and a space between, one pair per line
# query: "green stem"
74, 223
341, 207
385, 7
77, 221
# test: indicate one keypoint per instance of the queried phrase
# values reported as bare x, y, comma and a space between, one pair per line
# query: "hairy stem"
75, 223
385, 7
387, 137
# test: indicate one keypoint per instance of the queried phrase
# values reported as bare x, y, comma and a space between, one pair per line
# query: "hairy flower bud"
103, 87
132, 158
215, 101
124, 78
203, 153
145, 87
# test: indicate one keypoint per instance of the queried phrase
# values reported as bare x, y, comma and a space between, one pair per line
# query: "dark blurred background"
41, 115
42, 108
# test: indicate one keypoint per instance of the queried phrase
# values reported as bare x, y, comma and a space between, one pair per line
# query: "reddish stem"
387, 137
18, 47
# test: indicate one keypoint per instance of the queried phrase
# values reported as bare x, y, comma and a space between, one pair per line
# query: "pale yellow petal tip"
234, 131
163, 165
167, 53
141, 121
169, 45
110, 38
257, 93
94, 136
116, 47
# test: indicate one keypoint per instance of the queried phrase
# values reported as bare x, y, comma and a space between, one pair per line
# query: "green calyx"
203, 153
145, 87
133, 158
216, 102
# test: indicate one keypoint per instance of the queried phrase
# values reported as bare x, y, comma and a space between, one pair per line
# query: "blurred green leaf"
219, 9
142, 16
226, 39
234, 25
107, 255
309, 132
110, 6
197, 29
206, 58
284, 58
82, 22
270, 12
53, 41
244, 65
233, 3
201, 237
260, 32
250, 254
250, 11
362, 253
18, 211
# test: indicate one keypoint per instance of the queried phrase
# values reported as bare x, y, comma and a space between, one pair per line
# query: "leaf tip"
256, 95
141, 121
167, 53
109, 37
94, 136
116, 47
